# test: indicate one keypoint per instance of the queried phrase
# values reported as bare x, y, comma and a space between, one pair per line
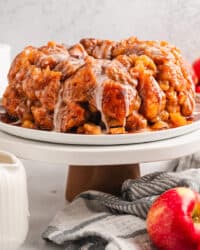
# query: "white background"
31, 22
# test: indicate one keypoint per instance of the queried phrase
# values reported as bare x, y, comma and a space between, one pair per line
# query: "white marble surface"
46, 185
35, 22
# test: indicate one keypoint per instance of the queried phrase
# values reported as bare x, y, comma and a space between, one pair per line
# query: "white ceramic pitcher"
14, 211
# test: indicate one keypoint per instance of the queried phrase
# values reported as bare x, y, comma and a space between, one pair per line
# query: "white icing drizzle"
129, 93
189, 103
97, 53
18, 122
56, 117
127, 96
106, 50
157, 89
76, 61
103, 51
101, 78
78, 51
99, 99
128, 90
38, 93
57, 57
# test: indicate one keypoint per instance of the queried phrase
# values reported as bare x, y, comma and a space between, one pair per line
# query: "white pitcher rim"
14, 159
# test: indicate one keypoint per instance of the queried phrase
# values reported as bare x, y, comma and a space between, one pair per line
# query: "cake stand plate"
103, 139
100, 156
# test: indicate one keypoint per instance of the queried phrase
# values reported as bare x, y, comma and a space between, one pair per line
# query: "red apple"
194, 77
173, 221
197, 89
196, 67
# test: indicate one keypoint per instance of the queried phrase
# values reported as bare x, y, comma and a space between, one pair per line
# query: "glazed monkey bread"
100, 86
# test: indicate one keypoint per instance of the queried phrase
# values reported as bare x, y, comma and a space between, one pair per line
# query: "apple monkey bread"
100, 86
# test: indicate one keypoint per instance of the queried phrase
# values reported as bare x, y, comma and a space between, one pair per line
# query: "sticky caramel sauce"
5, 118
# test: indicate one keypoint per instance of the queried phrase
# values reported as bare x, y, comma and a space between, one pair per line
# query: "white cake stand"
95, 166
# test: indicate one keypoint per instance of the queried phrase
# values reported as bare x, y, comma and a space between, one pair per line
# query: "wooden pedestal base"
102, 178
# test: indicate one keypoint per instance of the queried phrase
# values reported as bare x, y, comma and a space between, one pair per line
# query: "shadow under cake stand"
101, 168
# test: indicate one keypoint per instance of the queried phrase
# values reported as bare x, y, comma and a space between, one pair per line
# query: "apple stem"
196, 214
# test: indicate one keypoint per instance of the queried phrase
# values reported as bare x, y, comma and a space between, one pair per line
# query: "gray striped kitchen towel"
98, 221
